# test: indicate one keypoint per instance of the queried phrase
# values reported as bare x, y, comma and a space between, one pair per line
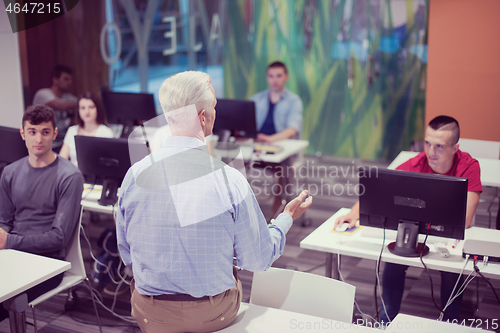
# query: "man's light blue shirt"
287, 111
181, 219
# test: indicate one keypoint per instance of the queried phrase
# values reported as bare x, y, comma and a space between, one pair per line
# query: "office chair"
305, 293
72, 277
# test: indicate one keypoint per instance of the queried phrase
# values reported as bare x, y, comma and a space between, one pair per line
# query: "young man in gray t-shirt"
40, 197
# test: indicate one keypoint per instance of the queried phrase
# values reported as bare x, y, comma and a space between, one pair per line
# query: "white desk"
408, 324
254, 318
290, 148
20, 271
360, 246
490, 168
89, 200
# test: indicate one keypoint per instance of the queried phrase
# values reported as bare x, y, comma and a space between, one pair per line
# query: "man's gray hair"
187, 88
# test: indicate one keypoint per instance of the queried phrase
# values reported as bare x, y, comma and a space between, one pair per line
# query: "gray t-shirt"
40, 207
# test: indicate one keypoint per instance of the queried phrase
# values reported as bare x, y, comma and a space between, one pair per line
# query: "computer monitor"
105, 162
412, 203
128, 109
237, 117
12, 147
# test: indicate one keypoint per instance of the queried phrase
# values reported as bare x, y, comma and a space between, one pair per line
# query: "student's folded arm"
62, 106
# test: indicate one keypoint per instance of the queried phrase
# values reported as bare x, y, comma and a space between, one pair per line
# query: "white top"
103, 131
16, 278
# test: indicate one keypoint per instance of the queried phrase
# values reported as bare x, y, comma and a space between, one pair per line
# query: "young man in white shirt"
59, 98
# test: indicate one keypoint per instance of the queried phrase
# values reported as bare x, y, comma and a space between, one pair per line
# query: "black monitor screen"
236, 116
128, 108
106, 161
391, 197
13, 145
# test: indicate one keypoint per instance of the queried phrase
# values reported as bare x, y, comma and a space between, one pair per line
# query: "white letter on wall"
116, 30
215, 31
172, 34
192, 29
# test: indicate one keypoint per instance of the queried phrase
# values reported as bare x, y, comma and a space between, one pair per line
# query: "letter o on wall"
118, 35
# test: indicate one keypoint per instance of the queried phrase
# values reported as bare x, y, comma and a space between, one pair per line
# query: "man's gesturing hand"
297, 207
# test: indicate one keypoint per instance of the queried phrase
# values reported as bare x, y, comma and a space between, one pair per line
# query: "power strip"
481, 249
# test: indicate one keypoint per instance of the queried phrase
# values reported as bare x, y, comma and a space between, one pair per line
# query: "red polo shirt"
463, 166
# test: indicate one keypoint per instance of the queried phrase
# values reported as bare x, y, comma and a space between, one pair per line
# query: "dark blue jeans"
393, 285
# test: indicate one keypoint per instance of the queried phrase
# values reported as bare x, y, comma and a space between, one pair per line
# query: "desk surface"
90, 196
254, 318
290, 148
362, 246
21, 271
407, 324
490, 168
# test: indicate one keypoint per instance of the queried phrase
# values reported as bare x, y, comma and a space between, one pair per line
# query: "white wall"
11, 88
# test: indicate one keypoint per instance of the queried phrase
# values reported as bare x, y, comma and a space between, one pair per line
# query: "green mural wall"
358, 65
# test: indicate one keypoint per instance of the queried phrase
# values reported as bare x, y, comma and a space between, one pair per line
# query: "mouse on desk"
342, 227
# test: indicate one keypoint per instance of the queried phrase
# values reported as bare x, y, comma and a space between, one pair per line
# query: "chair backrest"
303, 293
74, 251
480, 148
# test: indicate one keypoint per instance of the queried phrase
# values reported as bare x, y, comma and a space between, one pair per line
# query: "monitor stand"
109, 193
128, 127
406, 244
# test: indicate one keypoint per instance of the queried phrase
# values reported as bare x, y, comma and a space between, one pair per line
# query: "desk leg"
17, 313
331, 266
17, 321
328, 265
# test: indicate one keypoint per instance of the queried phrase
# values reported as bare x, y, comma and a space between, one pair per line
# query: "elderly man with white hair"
183, 215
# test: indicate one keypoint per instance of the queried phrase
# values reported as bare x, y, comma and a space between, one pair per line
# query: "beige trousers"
160, 316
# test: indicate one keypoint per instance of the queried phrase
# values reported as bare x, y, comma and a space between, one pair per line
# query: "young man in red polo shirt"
441, 156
